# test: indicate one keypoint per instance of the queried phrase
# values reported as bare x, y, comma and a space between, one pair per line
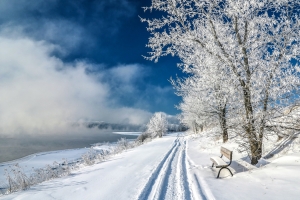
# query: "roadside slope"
121, 177
160, 169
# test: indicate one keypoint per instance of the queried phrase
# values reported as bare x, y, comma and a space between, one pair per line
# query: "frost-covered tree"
206, 96
158, 125
192, 115
254, 42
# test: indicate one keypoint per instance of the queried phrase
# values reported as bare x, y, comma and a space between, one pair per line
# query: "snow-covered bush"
50, 172
143, 137
95, 156
17, 179
122, 145
89, 158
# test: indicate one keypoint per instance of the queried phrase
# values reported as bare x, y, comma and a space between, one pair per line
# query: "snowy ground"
40, 160
174, 167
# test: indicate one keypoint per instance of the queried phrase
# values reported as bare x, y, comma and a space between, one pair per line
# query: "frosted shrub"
102, 155
38, 176
49, 172
95, 156
89, 158
17, 179
56, 170
143, 137
122, 145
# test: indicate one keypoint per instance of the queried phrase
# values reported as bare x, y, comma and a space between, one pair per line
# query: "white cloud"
39, 93
125, 79
127, 73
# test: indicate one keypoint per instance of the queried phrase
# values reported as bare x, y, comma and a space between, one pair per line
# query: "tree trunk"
256, 151
194, 127
255, 143
223, 123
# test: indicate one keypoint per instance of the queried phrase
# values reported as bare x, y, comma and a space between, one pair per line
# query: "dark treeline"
128, 127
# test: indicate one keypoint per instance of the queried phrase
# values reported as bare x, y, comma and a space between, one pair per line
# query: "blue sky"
80, 60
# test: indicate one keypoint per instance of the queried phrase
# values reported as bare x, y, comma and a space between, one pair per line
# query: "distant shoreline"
128, 133
12, 149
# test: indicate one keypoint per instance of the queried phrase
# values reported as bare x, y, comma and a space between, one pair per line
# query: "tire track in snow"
176, 183
170, 179
176, 177
180, 176
151, 182
166, 183
186, 187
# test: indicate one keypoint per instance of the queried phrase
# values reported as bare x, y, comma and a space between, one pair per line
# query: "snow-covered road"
173, 178
156, 170
169, 179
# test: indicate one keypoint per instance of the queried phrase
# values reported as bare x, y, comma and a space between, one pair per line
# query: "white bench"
220, 162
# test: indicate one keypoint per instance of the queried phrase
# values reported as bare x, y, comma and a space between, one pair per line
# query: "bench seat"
218, 161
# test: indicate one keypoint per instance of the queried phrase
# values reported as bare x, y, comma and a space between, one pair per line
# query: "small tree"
206, 96
158, 125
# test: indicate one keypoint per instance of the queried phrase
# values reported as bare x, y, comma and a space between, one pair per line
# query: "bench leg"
229, 171
219, 172
224, 168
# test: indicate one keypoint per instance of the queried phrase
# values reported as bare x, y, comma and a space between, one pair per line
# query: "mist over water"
16, 147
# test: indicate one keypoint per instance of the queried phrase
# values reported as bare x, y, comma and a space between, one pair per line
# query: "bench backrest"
227, 153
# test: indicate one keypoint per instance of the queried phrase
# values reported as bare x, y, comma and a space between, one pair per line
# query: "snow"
40, 160
173, 167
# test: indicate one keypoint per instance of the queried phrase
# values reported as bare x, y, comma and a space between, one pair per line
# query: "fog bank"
40, 94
